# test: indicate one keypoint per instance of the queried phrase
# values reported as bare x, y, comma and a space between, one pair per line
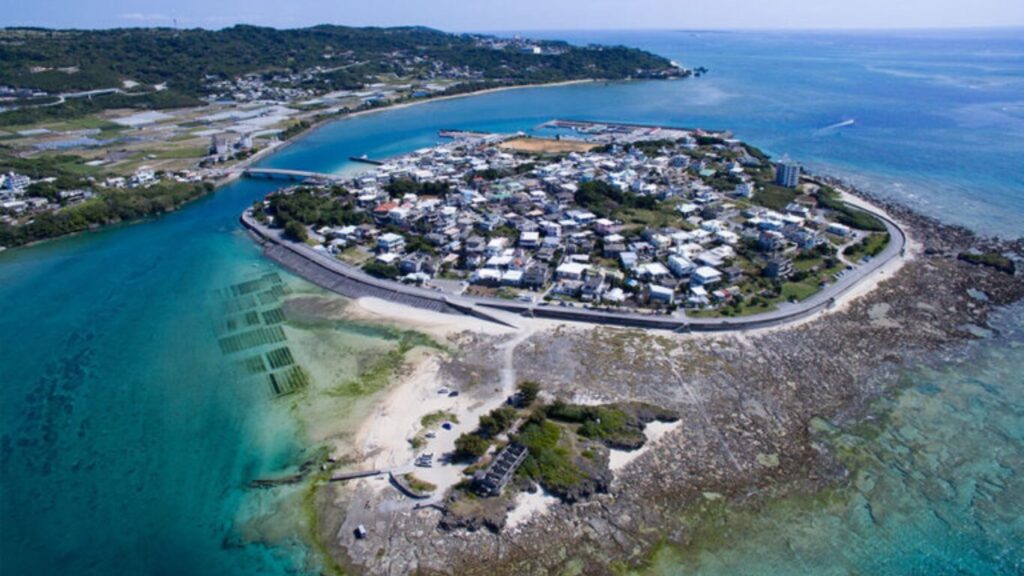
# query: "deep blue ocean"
127, 441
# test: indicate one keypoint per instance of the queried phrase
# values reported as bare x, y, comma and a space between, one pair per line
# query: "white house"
571, 271
529, 239
661, 294
705, 276
838, 229
390, 242
604, 226
680, 265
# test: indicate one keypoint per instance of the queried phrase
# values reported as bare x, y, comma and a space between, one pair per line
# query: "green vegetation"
550, 460
402, 186
774, 197
418, 485
871, 245
990, 259
382, 270
799, 290
435, 418
603, 199
294, 130
183, 60
296, 231
74, 108
109, 206
528, 391
608, 424
376, 375
469, 447
846, 214
307, 207
497, 421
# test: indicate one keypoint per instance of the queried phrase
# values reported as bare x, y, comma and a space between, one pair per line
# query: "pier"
290, 175
366, 160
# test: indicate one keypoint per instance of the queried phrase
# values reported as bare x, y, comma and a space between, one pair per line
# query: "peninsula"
633, 225
581, 447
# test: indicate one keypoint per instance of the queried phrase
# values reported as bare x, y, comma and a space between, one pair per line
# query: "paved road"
353, 282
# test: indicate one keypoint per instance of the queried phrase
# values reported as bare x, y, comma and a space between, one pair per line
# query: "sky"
496, 15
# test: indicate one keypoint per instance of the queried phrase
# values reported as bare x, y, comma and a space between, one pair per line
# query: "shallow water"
937, 487
128, 439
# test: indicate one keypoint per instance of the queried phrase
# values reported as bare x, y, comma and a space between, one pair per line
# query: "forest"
57, 61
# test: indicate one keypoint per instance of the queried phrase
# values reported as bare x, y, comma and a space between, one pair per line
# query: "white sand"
383, 439
436, 324
617, 459
529, 506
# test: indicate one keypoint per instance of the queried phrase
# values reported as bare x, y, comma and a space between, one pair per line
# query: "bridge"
290, 175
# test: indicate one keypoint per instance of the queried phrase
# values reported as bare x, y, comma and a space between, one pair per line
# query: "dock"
290, 175
346, 476
366, 160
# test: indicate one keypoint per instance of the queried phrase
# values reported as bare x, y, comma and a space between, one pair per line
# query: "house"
680, 265
535, 277
496, 245
660, 294
512, 278
571, 271
593, 286
417, 263
653, 271
486, 276
604, 226
628, 259
838, 229
529, 239
743, 190
390, 242
705, 276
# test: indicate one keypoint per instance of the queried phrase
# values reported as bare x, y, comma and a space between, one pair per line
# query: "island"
627, 224
154, 118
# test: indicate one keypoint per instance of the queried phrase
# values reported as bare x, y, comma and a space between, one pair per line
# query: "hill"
186, 65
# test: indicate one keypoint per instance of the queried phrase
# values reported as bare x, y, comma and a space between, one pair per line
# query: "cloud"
143, 17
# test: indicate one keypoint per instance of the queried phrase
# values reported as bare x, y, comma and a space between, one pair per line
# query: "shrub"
470, 447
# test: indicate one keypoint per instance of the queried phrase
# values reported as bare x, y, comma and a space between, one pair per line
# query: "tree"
470, 447
296, 231
528, 390
497, 421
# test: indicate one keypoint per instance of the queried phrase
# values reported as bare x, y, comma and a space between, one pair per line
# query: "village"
610, 216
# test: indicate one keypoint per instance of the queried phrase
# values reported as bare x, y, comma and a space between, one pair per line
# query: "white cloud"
143, 17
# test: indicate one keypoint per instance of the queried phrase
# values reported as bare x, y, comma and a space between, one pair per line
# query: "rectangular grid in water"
251, 339
273, 316
252, 318
253, 365
288, 381
280, 358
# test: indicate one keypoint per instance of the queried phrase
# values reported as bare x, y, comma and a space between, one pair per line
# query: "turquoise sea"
127, 440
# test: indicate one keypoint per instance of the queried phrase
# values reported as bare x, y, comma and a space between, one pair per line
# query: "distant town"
76, 131
613, 216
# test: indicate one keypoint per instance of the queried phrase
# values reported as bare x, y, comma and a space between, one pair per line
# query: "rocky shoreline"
752, 408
